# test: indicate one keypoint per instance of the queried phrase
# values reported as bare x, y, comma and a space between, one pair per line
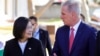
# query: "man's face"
34, 24
66, 16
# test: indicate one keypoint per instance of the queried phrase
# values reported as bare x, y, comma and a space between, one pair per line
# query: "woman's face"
28, 31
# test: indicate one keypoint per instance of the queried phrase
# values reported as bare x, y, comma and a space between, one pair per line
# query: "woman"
23, 44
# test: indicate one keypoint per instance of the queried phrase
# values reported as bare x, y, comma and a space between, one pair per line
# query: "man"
41, 35
75, 38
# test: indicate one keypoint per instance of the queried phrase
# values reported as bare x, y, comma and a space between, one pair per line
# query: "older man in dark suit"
75, 38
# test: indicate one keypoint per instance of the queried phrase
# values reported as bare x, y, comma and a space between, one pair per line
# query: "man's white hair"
73, 5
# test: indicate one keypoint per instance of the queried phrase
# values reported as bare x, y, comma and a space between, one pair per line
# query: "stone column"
22, 8
10, 9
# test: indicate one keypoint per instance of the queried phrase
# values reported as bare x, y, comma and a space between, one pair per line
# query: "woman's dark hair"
19, 27
33, 17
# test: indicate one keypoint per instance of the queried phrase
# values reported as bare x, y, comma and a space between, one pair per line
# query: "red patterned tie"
71, 39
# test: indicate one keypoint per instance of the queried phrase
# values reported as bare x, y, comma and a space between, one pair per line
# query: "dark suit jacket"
98, 44
84, 42
33, 48
45, 39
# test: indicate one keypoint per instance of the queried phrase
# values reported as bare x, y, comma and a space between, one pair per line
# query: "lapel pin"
29, 48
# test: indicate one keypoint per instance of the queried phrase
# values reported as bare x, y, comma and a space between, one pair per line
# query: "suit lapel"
66, 39
18, 49
41, 34
78, 34
27, 48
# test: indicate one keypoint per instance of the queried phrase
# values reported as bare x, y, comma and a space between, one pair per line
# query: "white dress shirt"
22, 45
36, 34
76, 26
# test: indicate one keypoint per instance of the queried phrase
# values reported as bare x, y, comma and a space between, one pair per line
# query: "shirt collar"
76, 25
37, 30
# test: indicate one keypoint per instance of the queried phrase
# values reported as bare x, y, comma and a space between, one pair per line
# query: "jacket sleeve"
98, 44
92, 44
56, 48
40, 50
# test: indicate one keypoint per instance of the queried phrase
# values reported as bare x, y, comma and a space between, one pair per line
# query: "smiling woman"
23, 44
